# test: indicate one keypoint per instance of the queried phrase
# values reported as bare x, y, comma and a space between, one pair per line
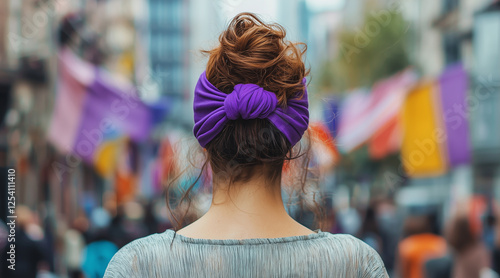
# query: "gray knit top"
321, 254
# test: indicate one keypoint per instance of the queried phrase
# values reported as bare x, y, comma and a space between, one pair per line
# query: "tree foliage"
372, 51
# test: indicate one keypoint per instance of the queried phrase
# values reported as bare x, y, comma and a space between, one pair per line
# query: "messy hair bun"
251, 51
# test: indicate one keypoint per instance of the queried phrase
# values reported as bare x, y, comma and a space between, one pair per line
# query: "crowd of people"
82, 248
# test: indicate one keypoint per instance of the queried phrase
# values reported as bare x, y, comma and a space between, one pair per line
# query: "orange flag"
323, 144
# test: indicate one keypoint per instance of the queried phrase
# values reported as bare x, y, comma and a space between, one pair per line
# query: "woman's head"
255, 68
252, 52
459, 233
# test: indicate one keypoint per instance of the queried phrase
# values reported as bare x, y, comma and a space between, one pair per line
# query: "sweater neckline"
250, 241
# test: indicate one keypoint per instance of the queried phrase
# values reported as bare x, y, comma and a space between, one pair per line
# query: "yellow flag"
424, 136
106, 155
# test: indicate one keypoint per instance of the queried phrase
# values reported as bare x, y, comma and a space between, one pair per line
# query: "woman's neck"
253, 209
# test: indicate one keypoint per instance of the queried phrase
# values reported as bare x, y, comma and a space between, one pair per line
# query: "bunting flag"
165, 163
90, 105
387, 140
73, 78
125, 174
125, 186
323, 145
105, 158
160, 110
352, 126
147, 187
422, 151
331, 115
453, 85
363, 114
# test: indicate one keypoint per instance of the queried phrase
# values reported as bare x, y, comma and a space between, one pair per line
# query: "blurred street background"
96, 115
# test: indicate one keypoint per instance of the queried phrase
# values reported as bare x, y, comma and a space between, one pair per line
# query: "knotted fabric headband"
213, 109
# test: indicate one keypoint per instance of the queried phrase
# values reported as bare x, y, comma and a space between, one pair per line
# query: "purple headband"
213, 109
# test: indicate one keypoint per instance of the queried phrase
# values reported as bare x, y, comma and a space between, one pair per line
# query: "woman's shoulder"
355, 254
130, 259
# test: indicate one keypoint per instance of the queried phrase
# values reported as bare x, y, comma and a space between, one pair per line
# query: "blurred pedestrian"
418, 246
370, 232
29, 245
117, 231
439, 267
389, 224
250, 110
96, 257
3, 234
495, 260
471, 255
332, 223
349, 220
74, 243
99, 251
150, 220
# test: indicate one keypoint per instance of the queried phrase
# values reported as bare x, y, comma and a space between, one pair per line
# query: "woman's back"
317, 255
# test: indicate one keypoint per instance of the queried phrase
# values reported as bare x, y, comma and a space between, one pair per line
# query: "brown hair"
251, 51
459, 234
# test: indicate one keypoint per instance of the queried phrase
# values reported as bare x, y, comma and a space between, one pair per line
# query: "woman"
470, 254
250, 109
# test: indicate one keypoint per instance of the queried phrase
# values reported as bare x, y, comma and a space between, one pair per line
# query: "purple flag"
331, 115
453, 86
93, 106
110, 110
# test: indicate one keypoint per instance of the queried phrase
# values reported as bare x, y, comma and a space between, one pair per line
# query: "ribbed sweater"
321, 254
